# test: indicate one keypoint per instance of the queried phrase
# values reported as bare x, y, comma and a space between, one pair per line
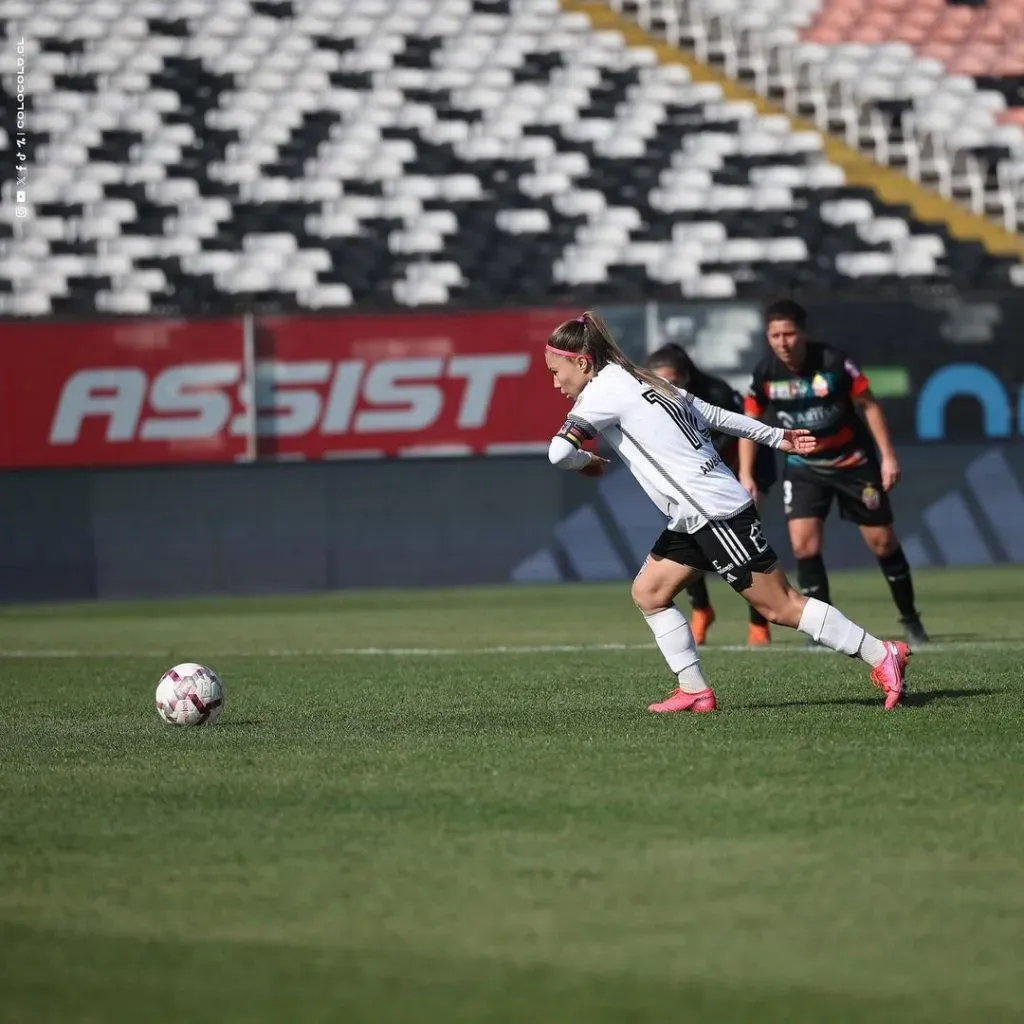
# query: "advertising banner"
433, 384
158, 391
121, 393
302, 387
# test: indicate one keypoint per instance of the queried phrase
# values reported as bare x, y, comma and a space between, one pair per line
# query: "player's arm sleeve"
738, 425
859, 383
566, 449
752, 406
595, 410
723, 396
753, 402
565, 455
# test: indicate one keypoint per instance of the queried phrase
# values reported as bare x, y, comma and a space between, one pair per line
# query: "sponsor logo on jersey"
820, 385
814, 416
784, 389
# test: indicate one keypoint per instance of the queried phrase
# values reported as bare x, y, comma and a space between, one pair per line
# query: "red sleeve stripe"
752, 407
860, 385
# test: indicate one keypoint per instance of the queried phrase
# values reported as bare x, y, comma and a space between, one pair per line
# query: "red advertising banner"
122, 392
430, 384
158, 391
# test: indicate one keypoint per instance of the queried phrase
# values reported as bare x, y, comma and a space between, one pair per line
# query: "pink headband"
565, 352
582, 319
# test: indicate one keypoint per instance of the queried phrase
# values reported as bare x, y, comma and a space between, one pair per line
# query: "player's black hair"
689, 375
786, 309
677, 358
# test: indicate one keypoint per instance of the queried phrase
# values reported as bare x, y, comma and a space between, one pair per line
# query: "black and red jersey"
819, 397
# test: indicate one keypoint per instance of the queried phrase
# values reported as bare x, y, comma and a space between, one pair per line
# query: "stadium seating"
216, 155
934, 87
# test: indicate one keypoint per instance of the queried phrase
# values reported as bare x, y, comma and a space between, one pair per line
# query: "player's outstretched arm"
738, 425
799, 442
565, 455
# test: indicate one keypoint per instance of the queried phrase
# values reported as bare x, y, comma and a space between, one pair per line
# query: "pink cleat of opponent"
680, 700
889, 675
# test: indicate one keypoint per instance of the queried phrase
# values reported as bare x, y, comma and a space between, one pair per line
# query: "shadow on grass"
918, 698
912, 699
947, 638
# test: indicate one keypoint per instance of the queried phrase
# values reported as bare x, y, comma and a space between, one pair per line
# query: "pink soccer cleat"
889, 675
680, 700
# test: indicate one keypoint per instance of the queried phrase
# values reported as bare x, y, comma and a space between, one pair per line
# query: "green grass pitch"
434, 829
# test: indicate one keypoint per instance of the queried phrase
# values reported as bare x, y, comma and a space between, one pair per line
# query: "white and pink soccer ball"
189, 694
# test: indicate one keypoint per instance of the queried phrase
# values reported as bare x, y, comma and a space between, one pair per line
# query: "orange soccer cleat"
700, 623
758, 636
890, 674
680, 700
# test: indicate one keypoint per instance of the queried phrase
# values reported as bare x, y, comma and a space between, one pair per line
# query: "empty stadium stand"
218, 155
935, 87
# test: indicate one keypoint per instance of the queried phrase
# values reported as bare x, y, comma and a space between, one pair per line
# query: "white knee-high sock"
675, 641
829, 626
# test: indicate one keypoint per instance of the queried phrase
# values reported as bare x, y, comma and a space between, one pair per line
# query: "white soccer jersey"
665, 443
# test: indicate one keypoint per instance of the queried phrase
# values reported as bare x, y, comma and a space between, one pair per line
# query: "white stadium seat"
430, 152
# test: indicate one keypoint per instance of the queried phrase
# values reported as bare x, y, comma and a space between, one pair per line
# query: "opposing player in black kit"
673, 363
812, 385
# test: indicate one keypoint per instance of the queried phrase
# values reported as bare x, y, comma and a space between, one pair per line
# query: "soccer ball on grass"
189, 694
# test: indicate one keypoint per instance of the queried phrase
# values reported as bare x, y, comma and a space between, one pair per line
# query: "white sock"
829, 626
675, 641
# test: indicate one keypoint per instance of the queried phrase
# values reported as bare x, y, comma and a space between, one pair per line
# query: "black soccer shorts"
807, 493
735, 548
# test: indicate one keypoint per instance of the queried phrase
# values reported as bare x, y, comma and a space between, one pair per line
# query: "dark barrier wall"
273, 527
315, 526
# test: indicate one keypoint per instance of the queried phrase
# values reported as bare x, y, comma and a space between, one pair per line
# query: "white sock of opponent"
675, 641
829, 626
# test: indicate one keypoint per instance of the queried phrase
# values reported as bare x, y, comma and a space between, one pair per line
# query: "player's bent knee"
643, 596
650, 596
883, 543
809, 548
650, 604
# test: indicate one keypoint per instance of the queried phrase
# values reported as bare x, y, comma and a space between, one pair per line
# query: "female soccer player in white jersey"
661, 433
